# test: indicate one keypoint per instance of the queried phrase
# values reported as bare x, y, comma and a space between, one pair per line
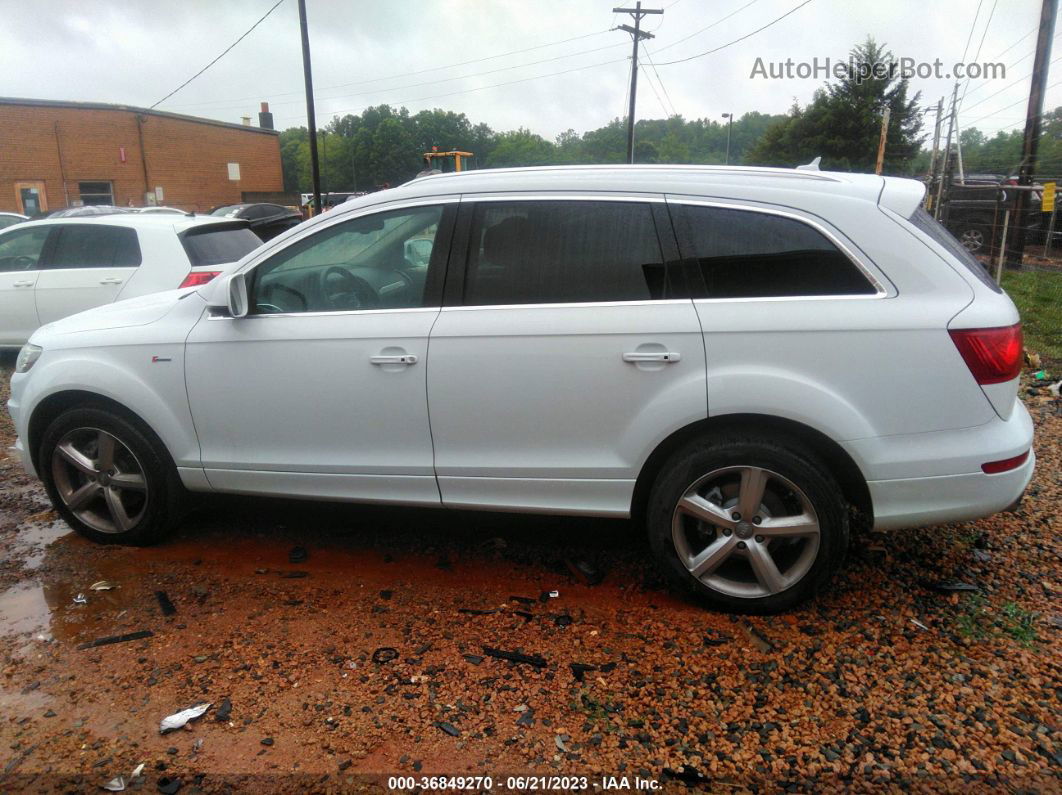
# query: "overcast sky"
134, 52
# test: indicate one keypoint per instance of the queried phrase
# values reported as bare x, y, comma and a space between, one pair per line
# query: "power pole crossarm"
637, 35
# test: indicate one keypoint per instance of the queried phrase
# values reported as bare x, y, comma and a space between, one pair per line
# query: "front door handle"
652, 356
22, 284
405, 358
111, 280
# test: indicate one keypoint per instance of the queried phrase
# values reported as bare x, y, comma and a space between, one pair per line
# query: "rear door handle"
652, 356
405, 358
22, 284
111, 280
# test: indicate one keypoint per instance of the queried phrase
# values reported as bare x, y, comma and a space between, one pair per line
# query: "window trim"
433, 287
880, 290
460, 260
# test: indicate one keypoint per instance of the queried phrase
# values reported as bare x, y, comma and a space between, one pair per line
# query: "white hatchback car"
50, 269
749, 360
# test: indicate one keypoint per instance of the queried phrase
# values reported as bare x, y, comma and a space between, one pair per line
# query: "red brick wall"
187, 159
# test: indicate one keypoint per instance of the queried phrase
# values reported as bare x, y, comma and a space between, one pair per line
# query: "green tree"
842, 124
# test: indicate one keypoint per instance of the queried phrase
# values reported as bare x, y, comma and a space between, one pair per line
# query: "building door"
31, 198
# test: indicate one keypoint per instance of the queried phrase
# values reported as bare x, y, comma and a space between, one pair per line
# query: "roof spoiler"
902, 196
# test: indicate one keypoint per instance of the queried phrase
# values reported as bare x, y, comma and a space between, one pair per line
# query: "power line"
1008, 107
972, 27
663, 88
224, 52
655, 92
1029, 54
980, 44
1008, 85
737, 40
429, 69
708, 27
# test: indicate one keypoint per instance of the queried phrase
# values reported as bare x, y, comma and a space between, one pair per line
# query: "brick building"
62, 154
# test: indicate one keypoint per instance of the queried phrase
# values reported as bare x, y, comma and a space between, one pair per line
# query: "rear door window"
218, 245
95, 246
542, 252
20, 249
752, 254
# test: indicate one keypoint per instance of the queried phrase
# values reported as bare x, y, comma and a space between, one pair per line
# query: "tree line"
383, 145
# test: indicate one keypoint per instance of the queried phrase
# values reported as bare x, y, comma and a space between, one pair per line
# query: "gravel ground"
884, 682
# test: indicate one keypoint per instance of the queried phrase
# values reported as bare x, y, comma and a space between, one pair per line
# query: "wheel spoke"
788, 526
700, 508
105, 453
80, 498
116, 509
765, 569
129, 480
75, 457
750, 495
709, 559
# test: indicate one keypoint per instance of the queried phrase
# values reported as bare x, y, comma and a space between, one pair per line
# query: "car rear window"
212, 245
935, 230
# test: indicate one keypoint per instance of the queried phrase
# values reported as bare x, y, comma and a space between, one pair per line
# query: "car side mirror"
237, 295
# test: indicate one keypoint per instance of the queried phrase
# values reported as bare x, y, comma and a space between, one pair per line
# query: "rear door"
568, 350
20, 254
87, 266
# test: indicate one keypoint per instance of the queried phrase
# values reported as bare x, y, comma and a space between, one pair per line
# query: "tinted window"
218, 246
377, 261
91, 246
927, 224
9, 220
20, 249
539, 252
746, 254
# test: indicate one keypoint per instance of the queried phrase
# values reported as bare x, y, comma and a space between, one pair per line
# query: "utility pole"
947, 152
637, 34
1033, 114
881, 141
936, 149
311, 122
729, 123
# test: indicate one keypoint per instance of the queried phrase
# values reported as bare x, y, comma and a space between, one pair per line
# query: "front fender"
148, 380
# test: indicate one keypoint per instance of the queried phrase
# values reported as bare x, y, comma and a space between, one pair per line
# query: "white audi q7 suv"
751, 361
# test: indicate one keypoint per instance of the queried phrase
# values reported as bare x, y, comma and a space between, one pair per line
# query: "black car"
266, 220
975, 209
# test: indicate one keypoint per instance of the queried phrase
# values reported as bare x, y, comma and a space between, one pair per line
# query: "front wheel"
110, 479
748, 524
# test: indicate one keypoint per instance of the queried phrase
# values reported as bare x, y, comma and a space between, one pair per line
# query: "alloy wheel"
973, 240
745, 532
100, 480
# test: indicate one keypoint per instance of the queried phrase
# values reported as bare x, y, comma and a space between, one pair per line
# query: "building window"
96, 192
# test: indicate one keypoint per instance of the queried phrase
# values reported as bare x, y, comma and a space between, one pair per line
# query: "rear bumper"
917, 502
932, 478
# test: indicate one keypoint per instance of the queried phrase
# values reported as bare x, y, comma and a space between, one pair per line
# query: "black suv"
978, 204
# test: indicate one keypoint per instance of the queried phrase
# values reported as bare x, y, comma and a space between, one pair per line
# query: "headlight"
27, 357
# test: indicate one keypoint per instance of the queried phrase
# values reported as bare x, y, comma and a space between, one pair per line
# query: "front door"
87, 266
569, 358
31, 198
20, 254
320, 391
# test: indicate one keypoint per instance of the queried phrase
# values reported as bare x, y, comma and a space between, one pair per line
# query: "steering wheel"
274, 309
22, 262
352, 292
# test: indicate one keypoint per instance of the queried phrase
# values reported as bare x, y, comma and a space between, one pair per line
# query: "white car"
50, 269
10, 219
748, 360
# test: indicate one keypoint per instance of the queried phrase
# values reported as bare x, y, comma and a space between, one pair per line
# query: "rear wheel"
108, 478
748, 524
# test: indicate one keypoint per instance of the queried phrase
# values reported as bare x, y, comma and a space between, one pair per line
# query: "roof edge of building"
61, 103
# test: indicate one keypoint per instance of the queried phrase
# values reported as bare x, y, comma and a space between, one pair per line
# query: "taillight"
992, 354
1007, 464
197, 278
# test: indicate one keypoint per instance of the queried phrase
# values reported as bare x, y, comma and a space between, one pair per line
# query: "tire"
975, 235
704, 551
134, 500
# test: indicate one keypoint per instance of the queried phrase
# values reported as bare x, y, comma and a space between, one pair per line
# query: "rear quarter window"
751, 254
926, 223
218, 245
